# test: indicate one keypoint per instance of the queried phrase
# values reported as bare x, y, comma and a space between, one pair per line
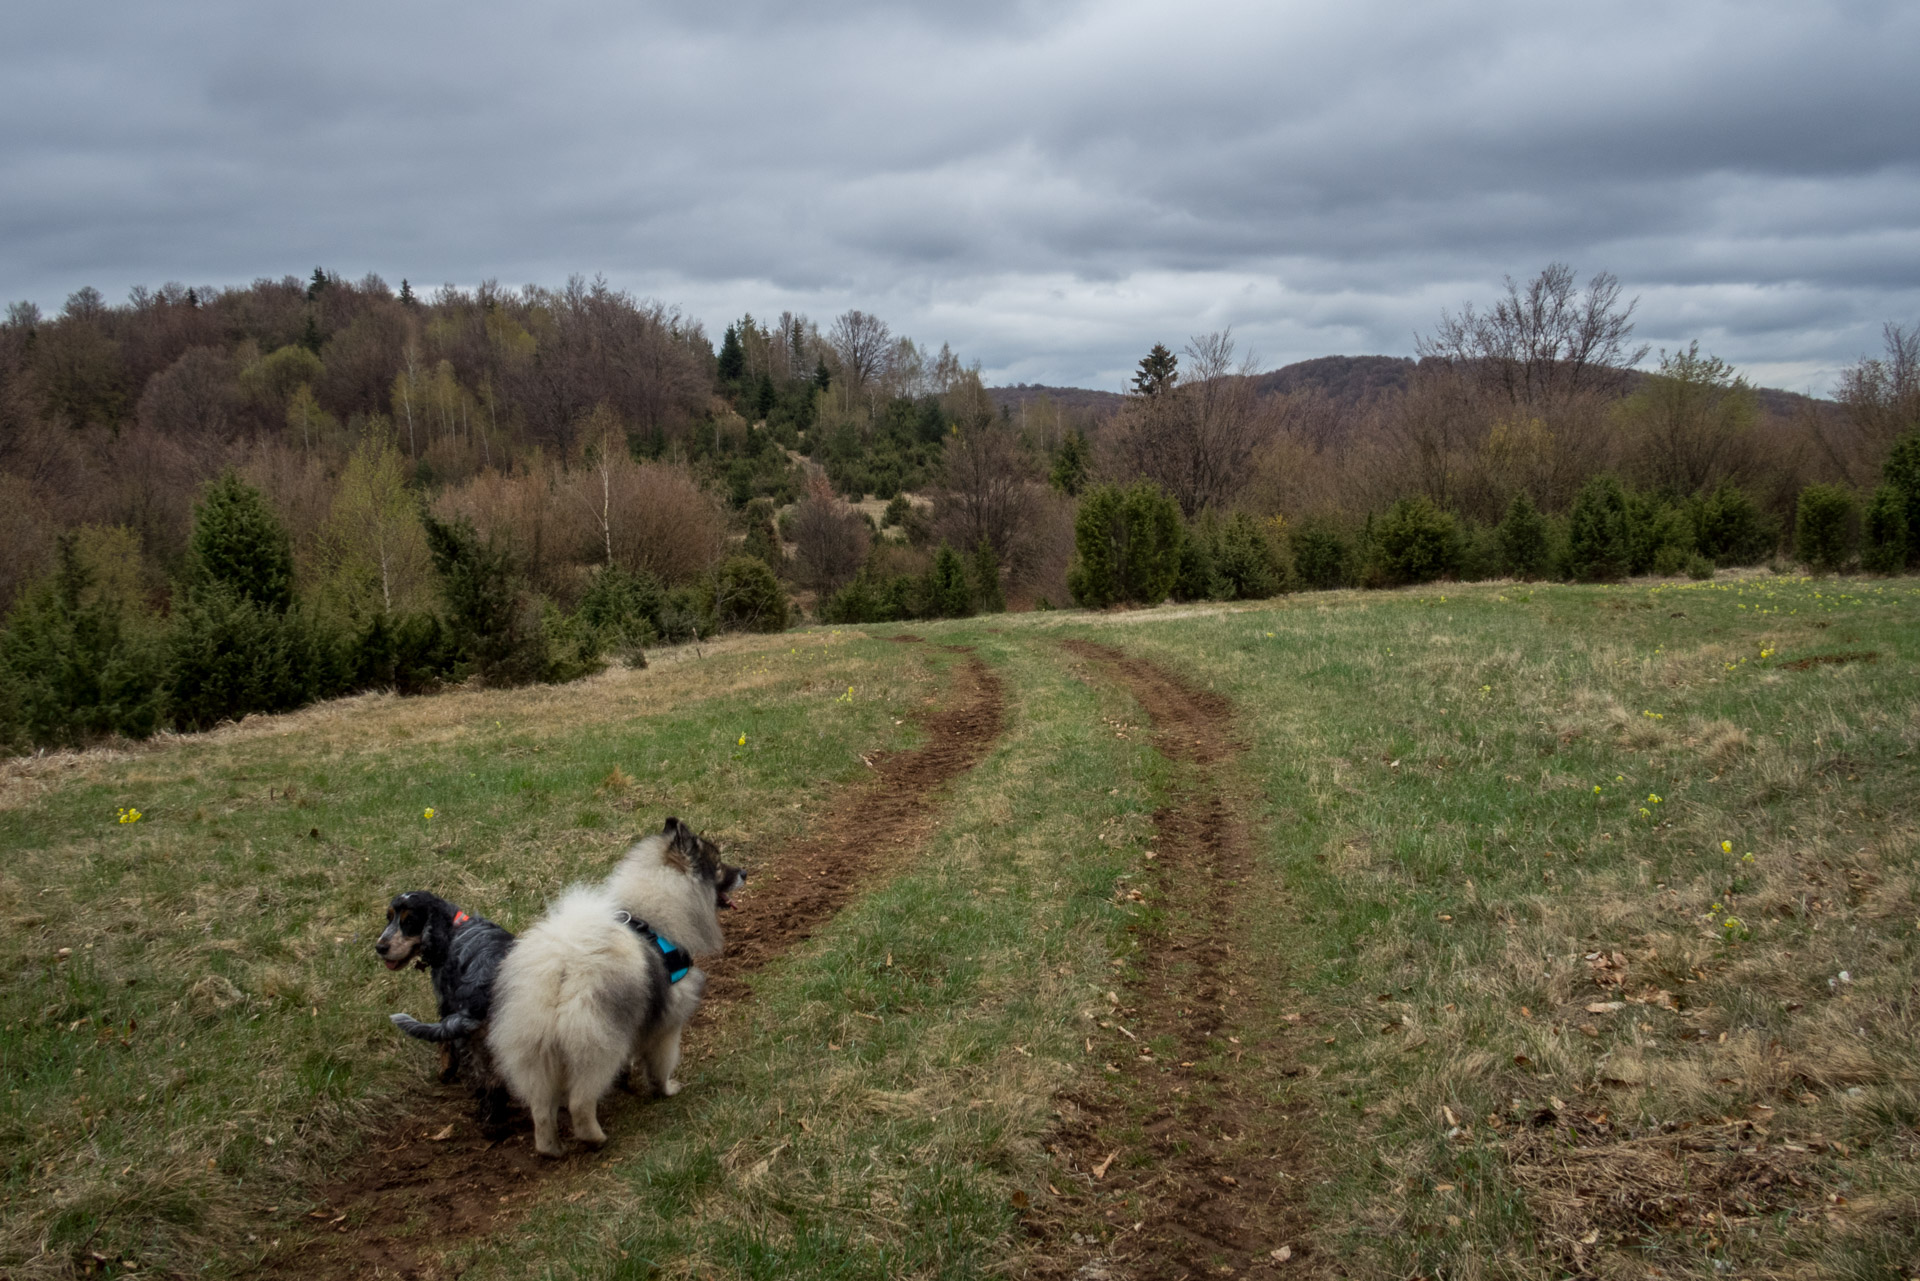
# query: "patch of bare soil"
439, 1176
1170, 1160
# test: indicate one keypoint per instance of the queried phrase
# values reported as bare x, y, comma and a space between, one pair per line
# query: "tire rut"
441, 1178
1181, 1168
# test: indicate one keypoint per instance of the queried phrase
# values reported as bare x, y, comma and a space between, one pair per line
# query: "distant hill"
1345, 380
1074, 400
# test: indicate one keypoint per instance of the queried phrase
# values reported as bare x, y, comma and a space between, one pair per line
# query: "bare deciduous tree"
1880, 399
1196, 436
1544, 345
196, 399
596, 344
830, 538
1690, 423
606, 449
984, 483
862, 343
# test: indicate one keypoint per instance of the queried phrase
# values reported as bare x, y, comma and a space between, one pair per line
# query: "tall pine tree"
733, 358
1159, 371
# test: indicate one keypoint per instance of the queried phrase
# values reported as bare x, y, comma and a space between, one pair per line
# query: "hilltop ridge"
1346, 380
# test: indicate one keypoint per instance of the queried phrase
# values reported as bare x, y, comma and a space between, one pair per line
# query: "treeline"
492, 485
1523, 434
515, 486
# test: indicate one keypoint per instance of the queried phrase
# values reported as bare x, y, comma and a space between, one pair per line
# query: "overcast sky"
1049, 187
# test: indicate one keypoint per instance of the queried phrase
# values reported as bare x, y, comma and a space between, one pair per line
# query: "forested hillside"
225, 500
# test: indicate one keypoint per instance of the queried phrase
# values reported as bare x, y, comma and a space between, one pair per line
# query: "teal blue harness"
676, 957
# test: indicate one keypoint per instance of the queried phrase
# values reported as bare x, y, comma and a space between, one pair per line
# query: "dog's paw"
670, 1089
400, 1020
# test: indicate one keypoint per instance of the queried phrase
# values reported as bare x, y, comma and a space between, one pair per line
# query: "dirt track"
1171, 1164
414, 1194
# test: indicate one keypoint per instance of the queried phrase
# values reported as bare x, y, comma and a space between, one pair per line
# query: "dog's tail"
450, 1028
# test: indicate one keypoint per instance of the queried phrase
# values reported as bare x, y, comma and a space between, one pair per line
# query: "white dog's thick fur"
582, 994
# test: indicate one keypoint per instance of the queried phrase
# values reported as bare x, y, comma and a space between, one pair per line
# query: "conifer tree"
73, 665
987, 592
1159, 371
1826, 527
733, 358
483, 605
1902, 471
1070, 465
949, 594
237, 645
1597, 541
1127, 545
239, 544
1523, 537
1883, 543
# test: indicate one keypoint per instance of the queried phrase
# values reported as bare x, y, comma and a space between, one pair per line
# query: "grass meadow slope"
1572, 931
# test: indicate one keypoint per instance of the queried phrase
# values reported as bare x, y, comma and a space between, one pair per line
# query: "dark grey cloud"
1049, 187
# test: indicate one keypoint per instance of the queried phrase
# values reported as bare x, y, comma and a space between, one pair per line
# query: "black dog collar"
678, 962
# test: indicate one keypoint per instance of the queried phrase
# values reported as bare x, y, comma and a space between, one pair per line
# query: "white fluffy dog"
606, 980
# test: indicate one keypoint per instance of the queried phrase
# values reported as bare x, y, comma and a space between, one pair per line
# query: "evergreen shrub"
77, 663
948, 592
1883, 542
747, 597
1730, 528
1902, 471
1597, 541
1321, 556
1416, 542
1126, 546
1524, 537
1826, 527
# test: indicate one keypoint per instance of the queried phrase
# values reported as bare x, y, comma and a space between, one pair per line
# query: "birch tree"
374, 546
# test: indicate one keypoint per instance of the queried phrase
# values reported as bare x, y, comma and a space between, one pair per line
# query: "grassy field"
1580, 939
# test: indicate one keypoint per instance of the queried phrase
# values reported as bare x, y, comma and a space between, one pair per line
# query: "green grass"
1436, 869
1444, 867
192, 1022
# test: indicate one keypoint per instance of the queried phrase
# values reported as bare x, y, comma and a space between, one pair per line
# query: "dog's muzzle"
394, 953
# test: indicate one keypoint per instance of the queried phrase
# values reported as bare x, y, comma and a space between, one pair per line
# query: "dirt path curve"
1181, 1168
438, 1178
